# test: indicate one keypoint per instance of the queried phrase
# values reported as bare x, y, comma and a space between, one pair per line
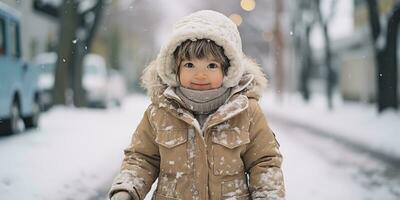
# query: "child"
204, 135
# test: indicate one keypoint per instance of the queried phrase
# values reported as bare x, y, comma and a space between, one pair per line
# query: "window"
2, 37
14, 40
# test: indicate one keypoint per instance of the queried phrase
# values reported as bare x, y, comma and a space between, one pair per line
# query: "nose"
200, 75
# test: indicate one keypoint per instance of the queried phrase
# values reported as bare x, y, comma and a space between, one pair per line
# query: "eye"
213, 66
188, 65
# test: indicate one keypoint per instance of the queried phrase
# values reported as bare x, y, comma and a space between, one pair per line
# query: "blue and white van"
19, 97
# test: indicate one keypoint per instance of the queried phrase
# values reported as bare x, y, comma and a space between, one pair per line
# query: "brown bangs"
199, 49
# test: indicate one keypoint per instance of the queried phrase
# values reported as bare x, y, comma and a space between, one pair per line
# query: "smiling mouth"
200, 84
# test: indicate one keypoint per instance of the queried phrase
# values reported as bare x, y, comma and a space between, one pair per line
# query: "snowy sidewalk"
356, 124
73, 154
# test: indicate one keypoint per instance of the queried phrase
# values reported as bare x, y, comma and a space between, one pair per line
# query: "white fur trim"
205, 24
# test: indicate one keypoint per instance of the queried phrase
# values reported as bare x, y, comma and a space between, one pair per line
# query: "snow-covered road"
76, 153
317, 167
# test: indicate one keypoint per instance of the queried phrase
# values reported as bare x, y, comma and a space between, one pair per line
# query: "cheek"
217, 80
184, 78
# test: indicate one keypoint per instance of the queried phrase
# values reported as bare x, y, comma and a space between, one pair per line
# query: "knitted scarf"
203, 102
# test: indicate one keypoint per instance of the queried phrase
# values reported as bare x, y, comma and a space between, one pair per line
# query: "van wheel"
10, 126
33, 120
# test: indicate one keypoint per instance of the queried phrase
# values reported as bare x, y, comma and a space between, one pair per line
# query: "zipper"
206, 150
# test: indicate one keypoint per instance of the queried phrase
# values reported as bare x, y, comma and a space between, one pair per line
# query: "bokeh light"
248, 5
237, 19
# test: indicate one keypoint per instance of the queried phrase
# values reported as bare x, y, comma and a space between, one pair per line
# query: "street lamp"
248, 5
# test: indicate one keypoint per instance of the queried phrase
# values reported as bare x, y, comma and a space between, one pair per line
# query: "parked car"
95, 80
102, 86
116, 87
19, 96
46, 62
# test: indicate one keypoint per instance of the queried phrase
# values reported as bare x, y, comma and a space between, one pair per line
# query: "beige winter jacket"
233, 156
238, 157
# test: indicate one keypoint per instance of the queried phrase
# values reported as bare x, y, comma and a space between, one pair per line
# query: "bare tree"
385, 54
69, 22
78, 27
324, 22
307, 15
84, 36
303, 20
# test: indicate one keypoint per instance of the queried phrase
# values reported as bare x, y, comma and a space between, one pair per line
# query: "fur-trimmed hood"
205, 24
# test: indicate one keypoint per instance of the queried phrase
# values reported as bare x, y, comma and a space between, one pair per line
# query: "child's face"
201, 74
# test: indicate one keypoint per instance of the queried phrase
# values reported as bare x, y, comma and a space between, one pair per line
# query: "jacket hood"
205, 24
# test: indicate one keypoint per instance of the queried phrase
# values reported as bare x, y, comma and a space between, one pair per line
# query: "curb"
379, 155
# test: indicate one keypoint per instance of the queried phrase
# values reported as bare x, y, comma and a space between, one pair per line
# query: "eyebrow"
215, 61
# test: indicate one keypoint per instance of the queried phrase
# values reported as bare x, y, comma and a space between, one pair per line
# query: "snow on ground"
76, 153
355, 122
317, 167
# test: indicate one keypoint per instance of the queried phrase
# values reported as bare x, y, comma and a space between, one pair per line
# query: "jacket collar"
233, 107
236, 103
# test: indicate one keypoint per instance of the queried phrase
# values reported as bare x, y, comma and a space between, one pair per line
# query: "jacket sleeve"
262, 158
140, 166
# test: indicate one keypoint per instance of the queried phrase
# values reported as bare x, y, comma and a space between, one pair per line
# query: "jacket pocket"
235, 189
227, 147
157, 196
166, 188
173, 151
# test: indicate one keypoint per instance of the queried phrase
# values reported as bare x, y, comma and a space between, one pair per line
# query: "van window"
2, 37
14, 40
